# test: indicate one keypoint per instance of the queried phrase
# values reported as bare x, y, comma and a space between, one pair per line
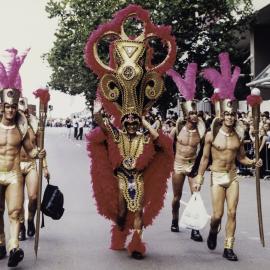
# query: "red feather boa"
104, 183
105, 157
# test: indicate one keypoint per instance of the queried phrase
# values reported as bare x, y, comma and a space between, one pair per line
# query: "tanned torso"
186, 144
10, 146
224, 151
24, 156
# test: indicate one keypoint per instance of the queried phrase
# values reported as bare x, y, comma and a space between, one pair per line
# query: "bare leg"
14, 199
32, 189
22, 230
2, 211
122, 211
3, 250
232, 196
136, 247
138, 222
119, 232
218, 199
177, 184
195, 234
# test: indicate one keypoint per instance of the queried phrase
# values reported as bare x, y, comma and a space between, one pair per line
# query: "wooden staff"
256, 122
43, 104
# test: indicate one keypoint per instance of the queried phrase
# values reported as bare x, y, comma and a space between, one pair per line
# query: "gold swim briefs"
223, 179
183, 167
27, 166
11, 177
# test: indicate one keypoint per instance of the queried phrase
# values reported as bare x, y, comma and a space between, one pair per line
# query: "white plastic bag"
194, 216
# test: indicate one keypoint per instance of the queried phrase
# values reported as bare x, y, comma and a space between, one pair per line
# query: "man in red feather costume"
129, 168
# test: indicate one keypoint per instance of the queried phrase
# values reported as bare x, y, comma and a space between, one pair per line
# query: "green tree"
202, 29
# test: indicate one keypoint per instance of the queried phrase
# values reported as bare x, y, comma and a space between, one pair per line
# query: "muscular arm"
100, 122
29, 147
205, 157
172, 133
152, 131
243, 159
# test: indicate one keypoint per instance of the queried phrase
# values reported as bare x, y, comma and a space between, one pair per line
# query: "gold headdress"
23, 104
10, 96
129, 82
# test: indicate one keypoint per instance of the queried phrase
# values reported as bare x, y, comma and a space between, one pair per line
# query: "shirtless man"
224, 145
29, 173
13, 135
187, 137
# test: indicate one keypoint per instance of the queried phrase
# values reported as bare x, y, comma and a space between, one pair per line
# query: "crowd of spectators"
77, 126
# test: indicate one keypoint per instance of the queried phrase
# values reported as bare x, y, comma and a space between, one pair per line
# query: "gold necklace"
6, 127
130, 149
225, 133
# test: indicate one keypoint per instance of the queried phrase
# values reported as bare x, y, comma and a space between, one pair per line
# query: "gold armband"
34, 153
199, 179
45, 164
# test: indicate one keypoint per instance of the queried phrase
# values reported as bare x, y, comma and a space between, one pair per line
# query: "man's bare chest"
10, 137
222, 142
188, 138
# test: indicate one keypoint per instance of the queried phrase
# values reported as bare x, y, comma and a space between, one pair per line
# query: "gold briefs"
11, 177
224, 179
132, 187
183, 167
27, 166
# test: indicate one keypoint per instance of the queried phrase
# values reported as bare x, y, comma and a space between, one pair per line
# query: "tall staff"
44, 97
254, 100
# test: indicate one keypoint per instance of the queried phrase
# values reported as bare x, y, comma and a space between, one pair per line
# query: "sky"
258, 4
25, 24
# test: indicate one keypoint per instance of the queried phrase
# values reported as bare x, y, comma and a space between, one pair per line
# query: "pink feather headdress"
9, 69
186, 85
225, 81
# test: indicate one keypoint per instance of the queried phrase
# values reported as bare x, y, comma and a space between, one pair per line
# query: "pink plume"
225, 65
9, 71
190, 78
213, 76
14, 67
180, 83
235, 76
187, 86
224, 81
3, 77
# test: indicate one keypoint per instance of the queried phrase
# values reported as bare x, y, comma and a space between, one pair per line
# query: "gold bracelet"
34, 153
199, 179
44, 162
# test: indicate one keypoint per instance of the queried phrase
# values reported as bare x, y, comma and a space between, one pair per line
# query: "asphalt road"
81, 239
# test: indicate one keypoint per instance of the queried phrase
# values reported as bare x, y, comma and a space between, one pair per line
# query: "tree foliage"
202, 29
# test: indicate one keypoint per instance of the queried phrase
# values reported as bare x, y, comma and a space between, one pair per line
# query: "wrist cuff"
34, 153
199, 179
